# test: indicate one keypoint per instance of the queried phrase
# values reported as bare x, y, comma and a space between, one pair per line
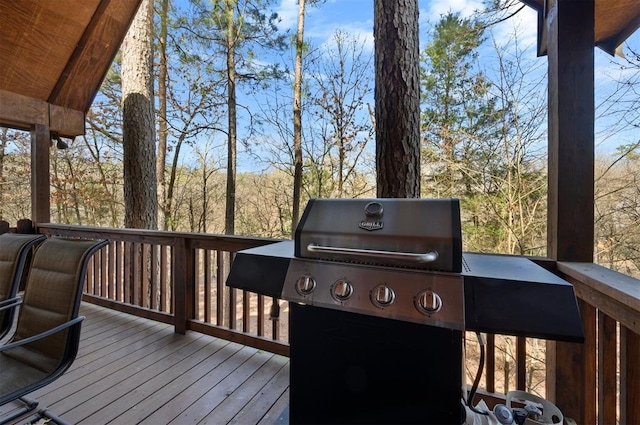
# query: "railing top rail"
199, 240
623, 288
615, 293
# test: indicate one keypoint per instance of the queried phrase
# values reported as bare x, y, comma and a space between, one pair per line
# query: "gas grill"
380, 295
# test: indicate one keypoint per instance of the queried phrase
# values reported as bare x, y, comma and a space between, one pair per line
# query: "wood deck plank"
265, 397
196, 413
193, 394
126, 379
164, 399
278, 414
131, 370
238, 399
195, 385
133, 399
109, 361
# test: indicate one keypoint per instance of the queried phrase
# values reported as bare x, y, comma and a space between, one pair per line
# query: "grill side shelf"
514, 296
261, 270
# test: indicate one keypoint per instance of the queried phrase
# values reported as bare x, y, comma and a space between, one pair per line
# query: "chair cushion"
15, 375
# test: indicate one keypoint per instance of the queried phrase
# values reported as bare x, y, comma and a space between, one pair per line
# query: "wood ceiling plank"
37, 41
615, 22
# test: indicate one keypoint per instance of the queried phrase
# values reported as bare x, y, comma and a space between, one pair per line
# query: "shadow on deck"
131, 370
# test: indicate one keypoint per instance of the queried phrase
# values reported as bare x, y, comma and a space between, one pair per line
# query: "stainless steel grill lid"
415, 233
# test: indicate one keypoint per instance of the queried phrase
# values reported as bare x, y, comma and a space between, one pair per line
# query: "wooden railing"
607, 365
179, 278
597, 382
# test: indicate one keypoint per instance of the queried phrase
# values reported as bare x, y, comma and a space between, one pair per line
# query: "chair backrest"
52, 297
15, 250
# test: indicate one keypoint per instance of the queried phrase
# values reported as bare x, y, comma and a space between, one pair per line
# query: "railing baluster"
126, 272
119, 282
490, 364
246, 311
145, 278
137, 274
629, 376
155, 287
89, 282
197, 313
275, 321
260, 304
108, 271
233, 300
100, 271
607, 373
220, 288
521, 363
165, 281
588, 314
208, 285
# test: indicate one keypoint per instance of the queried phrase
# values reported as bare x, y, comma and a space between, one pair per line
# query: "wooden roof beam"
23, 112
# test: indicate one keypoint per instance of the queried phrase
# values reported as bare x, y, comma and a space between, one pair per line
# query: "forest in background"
483, 132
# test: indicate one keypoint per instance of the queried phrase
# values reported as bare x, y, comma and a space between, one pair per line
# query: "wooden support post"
183, 284
40, 177
25, 226
570, 47
571, 130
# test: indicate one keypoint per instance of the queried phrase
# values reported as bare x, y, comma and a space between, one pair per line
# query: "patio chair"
15, 250
45, 341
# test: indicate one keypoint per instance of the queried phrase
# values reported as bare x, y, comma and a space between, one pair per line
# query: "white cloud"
524, 25
354, 17
437, 8
288, 13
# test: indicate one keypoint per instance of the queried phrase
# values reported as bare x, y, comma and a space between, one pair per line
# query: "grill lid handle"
427, 257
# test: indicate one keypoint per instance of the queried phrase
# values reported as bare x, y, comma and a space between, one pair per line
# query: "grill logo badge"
373, 211
371, 225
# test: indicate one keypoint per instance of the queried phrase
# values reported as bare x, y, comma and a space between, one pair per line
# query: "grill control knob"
428, 302
341, 290
383, 296
305, 285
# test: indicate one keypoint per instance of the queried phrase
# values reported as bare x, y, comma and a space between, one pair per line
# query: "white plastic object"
550, 414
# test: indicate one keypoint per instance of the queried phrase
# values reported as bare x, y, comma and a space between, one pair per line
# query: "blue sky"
356, 17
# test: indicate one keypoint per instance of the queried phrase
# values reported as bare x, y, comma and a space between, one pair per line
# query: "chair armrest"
10, 303
72, 322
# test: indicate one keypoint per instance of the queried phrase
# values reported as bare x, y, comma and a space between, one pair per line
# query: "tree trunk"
163, 200
138, 131
229, 220
397, 98
297, 120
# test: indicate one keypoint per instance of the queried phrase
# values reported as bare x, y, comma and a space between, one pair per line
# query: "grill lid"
406, 232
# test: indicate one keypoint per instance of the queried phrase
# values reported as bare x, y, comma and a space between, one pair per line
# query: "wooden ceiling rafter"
77, 53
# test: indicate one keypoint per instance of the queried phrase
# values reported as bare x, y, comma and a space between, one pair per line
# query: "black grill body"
351, 368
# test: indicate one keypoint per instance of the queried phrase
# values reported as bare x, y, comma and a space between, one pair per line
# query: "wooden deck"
131, 370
